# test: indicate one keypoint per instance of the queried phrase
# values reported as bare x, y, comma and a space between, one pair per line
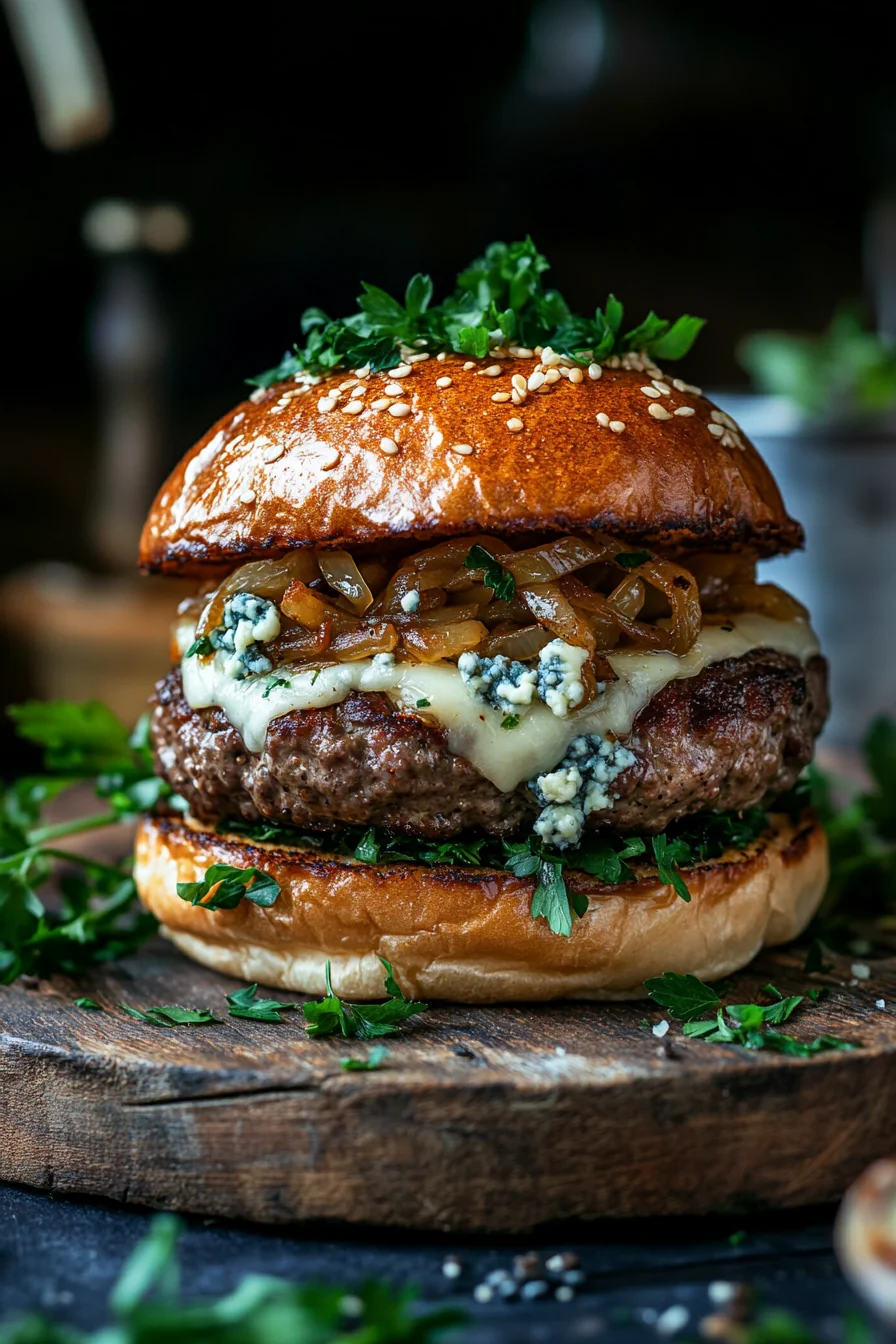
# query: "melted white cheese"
473, 729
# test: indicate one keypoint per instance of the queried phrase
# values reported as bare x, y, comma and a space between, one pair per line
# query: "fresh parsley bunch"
148, 1309
98, 917
499, 299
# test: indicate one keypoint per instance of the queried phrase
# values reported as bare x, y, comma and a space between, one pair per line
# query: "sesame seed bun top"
443, 447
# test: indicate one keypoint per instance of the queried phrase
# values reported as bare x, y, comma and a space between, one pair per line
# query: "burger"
478, 677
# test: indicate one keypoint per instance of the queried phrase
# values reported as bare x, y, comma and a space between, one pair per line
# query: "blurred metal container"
839, 480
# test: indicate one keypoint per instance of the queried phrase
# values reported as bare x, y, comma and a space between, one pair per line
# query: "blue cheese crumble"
249, 622
560, 683
411, 601
512, 686
576, 787
505, 685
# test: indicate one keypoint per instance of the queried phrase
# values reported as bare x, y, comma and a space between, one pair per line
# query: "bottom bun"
465, 934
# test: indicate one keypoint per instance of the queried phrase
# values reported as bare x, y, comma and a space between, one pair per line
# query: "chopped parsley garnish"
224, 886
246, 1003
201, 648
171, 1015
510, 721
330, 1015
373, 1061
499, 299
746, 1024
98, 916
632, 559
423, 704
147, 1307
89, 1003
273, 682
494, 575
668, 855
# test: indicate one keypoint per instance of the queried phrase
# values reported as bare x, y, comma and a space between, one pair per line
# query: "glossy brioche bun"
465, 934
282, 473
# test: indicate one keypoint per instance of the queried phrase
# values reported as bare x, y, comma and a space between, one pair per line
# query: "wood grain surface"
497, 1118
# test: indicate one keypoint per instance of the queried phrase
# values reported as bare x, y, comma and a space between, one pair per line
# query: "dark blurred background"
735, 162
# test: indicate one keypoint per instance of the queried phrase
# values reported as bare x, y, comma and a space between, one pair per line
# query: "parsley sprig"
97, 917
330, 1015
148, 1309
750, 1025
499, 299
494, 575
223, 887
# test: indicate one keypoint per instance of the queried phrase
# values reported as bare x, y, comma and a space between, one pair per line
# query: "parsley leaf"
494, 575
632, 559
272, 683
423, 704
510, 721
246, 1003
201, 648
373, 1061
500, 298
668, 855
88, 1003
224, 886
171, 1015
683, 996
364, 1020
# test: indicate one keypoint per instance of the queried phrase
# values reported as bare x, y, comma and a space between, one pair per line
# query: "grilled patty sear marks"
740, 730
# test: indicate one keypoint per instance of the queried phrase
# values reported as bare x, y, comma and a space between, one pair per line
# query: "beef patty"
740, 730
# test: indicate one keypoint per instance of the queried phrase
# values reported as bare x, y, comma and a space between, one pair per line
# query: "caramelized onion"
267, 578
309, 609
545, 563
298, 644
364, 642
343, 575
519, 643
680, 590
551, 609
431, 643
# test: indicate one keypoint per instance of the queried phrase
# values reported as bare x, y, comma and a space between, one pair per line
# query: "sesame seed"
364, 372
400, 371
650, 391
716, 430
389, 447
661, 1028
658, 412
603, 419
438, 438
549, 357
444, 382
392, 390
399, 409
330, 456
522, 352
353, 408
465, 449
664, 388
271, 454
514, 425
613, 362
416, 359
518, 383
470, 364
535, 381
350, 382
594, 371
258, 395
441, 355
381, 404
517, 397
617, 426
683, 410
552, 376
247, 497
493, 371
576, 375
501, 396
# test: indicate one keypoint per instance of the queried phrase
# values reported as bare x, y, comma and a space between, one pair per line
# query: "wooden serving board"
492, 1119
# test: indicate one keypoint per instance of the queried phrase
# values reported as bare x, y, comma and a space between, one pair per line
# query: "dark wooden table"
61, 1256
